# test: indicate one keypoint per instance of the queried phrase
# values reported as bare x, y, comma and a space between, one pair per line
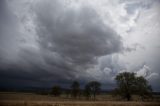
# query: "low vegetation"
129, 84
131, 91
69, 103
30, 99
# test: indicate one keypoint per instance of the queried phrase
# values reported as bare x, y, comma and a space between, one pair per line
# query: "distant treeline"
128, 84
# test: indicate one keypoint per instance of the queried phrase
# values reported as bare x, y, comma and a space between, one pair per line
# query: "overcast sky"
47, 42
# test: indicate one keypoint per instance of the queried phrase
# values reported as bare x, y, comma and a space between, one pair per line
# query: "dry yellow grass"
36, 97
28, 99
76, 103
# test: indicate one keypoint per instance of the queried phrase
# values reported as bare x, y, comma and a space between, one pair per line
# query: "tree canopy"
93, 88
75, 89
56, 90
129, 84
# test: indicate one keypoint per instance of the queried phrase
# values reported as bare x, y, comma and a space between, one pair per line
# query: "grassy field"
29, 99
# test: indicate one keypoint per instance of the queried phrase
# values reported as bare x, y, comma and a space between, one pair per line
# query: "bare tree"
75, 89
56, 90
94, 87
87, 91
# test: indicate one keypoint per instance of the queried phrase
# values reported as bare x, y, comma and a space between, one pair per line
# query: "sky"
49, 42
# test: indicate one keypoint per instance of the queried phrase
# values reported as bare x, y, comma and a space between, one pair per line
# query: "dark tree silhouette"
67, 92
75, 89
56, 90
87, 91
143, 89
129, 84
94, 86
126, 84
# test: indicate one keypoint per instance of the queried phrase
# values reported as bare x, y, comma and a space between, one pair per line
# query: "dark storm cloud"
69, 42
50, 42
8, 32
76, 35
17, 64
155, 66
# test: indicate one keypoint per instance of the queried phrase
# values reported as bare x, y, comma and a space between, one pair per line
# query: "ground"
31, 99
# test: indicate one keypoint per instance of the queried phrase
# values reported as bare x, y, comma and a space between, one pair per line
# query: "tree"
67, 92
94, 88
143, 89
129, 84
125, 82
75, 89
56, 90
87, 91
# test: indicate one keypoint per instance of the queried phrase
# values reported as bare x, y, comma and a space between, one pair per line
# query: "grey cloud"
69, 41
155, 68
134, 47
52, 42
79, 36
131, 7
8, 33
